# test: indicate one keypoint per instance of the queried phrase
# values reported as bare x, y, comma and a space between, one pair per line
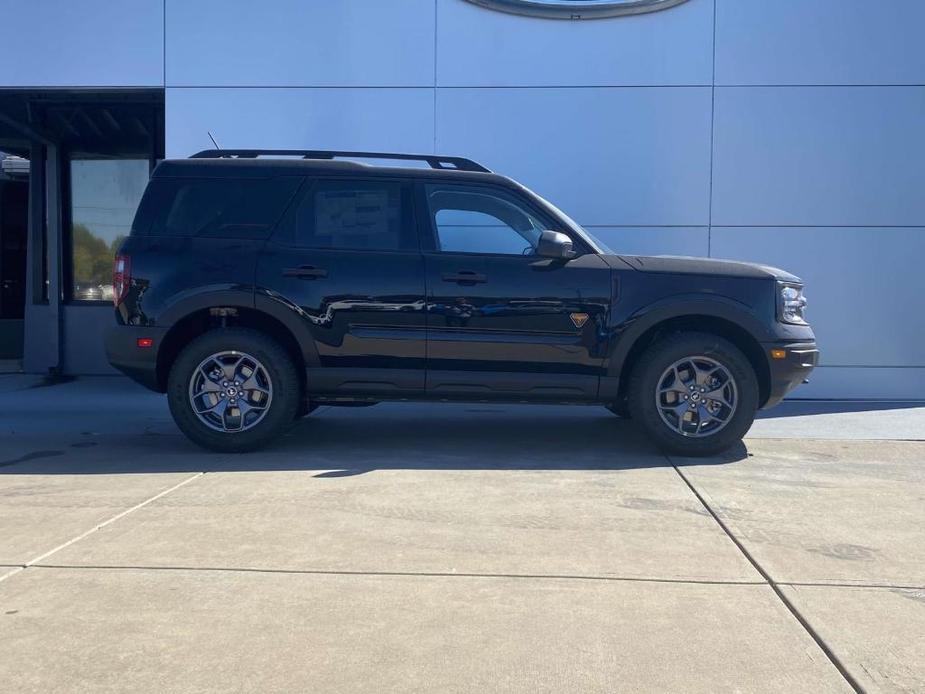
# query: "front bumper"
138, 363
792, 370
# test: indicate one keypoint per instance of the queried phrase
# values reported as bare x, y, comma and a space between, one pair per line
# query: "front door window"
468, 220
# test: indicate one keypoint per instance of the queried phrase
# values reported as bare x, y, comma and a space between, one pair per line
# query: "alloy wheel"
230, 391
696, 396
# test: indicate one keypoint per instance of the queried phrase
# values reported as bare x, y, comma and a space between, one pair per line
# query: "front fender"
628, 330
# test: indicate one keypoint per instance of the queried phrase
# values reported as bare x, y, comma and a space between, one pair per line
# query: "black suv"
257, 285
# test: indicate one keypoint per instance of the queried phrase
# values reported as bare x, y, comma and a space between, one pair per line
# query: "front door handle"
305, 272
464, 277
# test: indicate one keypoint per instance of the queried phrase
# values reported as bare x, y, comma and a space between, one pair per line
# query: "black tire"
644, 385
305, 409
283, 404
620, 408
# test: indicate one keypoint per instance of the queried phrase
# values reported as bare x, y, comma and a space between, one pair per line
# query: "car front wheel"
693, 394
233, 390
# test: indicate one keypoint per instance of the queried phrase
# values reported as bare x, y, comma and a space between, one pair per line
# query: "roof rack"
435, 161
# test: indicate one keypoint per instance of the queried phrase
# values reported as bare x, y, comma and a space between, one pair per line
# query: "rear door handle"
305, 272
464, 277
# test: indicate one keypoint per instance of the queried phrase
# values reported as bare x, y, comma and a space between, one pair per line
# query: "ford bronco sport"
257, 285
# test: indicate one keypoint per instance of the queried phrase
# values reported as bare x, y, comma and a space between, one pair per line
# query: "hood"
685, 265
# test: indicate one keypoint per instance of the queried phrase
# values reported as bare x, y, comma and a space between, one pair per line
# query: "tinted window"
473, 220
369, 215
213, 207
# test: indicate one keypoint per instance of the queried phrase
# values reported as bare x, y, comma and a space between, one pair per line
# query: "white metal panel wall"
820, 42
851, 156
299, 43
357, 74
478, 48
91, 43
395, 119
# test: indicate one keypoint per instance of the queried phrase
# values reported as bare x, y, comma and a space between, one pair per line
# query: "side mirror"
554, 244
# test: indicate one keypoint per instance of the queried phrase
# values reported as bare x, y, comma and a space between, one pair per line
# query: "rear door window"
356, 215
214, 207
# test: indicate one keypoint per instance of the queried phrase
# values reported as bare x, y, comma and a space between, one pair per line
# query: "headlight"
790, 303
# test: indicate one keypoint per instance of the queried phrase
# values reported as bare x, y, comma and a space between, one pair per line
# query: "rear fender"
188, 303
263, 301
293, 317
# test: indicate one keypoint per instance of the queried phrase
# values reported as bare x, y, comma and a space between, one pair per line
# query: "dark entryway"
14, 215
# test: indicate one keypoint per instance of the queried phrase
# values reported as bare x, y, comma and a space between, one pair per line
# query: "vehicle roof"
267, 167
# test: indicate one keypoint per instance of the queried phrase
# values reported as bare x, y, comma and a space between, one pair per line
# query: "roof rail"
434, 160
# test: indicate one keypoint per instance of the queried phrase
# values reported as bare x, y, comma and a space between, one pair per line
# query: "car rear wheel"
233, 390
693, 394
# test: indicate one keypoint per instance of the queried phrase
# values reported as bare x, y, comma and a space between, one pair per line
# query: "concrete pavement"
453, 548
137, 630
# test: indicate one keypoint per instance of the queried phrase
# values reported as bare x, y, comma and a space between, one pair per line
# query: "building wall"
783, 132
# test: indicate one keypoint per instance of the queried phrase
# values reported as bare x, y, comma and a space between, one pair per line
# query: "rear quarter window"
214, 207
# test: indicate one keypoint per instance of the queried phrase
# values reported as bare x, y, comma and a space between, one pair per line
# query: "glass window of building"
104, 194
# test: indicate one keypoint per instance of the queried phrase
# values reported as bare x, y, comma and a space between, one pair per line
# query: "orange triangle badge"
579, 319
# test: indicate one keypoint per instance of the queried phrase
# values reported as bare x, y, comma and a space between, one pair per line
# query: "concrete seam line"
400, 574
823, 646
92, 530
823, 438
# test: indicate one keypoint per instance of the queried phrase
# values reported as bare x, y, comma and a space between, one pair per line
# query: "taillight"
121, 278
